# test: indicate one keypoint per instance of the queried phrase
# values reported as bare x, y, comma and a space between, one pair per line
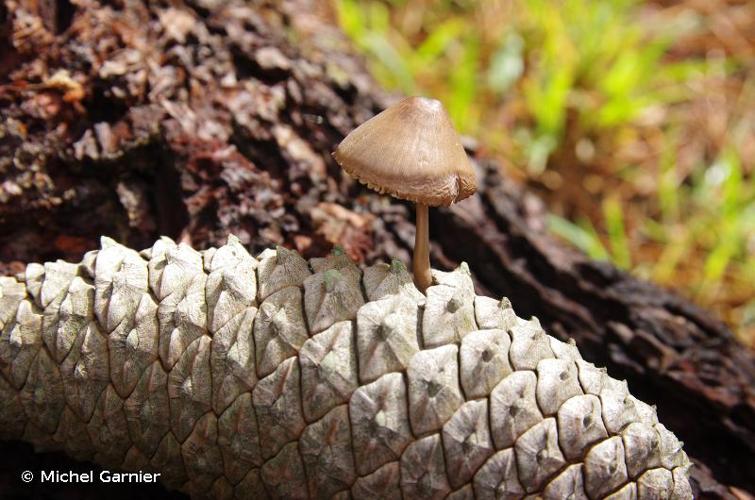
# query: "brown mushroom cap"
411, 151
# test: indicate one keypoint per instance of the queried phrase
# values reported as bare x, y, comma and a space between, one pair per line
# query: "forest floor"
635, 121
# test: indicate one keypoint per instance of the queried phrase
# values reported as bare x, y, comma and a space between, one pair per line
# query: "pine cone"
237, 377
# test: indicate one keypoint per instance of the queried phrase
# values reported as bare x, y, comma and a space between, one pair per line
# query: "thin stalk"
421, 262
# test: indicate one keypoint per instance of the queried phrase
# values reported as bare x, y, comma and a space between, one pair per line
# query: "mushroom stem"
421, 262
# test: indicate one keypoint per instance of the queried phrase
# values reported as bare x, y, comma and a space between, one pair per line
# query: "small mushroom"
411, 151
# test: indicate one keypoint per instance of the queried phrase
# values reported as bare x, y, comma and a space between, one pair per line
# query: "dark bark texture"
198, 119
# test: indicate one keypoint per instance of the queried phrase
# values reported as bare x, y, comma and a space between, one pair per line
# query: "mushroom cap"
411, 151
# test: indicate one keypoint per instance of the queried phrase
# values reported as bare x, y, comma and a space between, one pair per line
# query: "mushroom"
411, 151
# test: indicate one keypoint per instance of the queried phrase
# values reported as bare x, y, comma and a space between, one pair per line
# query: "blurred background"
634, 120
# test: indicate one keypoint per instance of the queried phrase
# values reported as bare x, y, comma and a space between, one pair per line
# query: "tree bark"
195, 120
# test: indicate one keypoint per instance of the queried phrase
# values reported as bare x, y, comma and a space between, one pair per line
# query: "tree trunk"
135, 119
